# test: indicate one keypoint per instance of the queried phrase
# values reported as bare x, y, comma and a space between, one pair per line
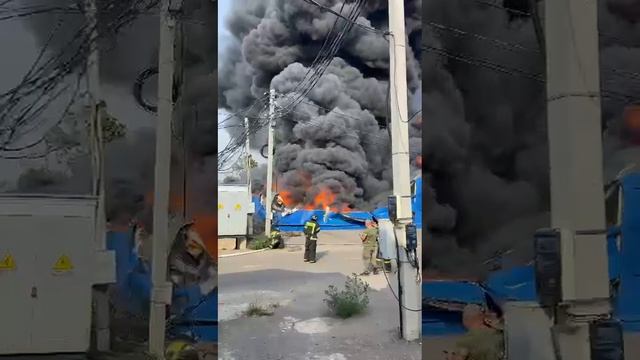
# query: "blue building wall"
348, 221
518, 284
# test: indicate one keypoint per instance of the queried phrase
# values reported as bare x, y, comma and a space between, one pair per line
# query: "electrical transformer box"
386, 239
234, 207
49, 261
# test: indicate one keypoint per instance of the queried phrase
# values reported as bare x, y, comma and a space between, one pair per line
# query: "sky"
224, 37
14, 35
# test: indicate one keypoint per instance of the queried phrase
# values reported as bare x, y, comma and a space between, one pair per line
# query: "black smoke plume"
129, 161
485, 141
336, 139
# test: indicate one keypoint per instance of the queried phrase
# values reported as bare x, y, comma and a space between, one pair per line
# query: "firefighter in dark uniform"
277, 207
311, 230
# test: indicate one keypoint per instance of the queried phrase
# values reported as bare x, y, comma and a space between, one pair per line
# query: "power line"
502, 7
515, 46
45, 78
325, 8
521, 73
483, 63
324, 58
503, 44
326, 54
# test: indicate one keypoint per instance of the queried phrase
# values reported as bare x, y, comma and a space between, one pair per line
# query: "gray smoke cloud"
485, 141
129, 161
335, 140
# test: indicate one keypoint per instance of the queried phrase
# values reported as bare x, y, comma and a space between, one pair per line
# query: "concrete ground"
133, 351
433, 347
300, 327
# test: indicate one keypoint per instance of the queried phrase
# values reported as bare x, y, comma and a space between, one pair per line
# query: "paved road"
301, 327
432, 348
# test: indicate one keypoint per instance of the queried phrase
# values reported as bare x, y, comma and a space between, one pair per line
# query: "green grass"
255, 310
350, 301
259, 242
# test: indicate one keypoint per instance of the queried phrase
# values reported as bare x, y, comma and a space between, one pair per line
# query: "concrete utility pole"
248, 147
100, 295
410, 298
575, 150
162, 289
272, 126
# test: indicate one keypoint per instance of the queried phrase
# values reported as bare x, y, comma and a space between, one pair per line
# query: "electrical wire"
325, 8
499, 6
324, 58
44, 78
331, 44
500, 43
399, 295
483, 63
314, 72
612, 94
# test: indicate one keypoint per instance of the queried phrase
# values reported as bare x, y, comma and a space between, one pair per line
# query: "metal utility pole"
272, 125
410, 299
575, 150
100, 296
161, 294
248, 147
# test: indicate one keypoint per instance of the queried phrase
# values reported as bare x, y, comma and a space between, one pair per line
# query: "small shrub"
259, 242
257, 310
350, 301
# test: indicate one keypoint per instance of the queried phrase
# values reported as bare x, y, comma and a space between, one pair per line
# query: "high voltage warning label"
8, 263
63, 264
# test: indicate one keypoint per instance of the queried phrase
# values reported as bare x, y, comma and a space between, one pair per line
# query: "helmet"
314, 218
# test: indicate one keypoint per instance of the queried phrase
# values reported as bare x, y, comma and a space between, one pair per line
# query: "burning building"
332, 149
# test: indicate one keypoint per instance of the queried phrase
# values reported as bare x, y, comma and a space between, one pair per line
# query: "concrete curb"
242, 253
341, 244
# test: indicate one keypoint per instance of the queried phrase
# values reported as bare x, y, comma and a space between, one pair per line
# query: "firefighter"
276, 239
311, 230
277, 208
189, 262
277, 204
370, 247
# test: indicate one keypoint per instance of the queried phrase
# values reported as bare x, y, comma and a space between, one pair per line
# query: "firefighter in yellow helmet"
311, 230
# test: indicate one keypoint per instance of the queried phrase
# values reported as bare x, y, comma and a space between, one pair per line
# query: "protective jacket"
311, 229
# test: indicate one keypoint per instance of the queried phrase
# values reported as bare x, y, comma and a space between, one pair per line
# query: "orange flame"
287, 197
327, 199
207, 227
632, 117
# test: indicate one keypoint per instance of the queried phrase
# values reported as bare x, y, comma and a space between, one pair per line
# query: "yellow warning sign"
220, 206
8, 263
238, 207
63, 264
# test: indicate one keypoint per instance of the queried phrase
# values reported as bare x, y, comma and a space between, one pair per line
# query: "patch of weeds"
255, 310
350, 301
259, 242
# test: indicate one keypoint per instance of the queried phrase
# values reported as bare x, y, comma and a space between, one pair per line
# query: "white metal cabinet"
16, 304
234, 206
47, 311
68, 328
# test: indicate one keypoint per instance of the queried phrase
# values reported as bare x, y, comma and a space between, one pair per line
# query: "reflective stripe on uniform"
312, 225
